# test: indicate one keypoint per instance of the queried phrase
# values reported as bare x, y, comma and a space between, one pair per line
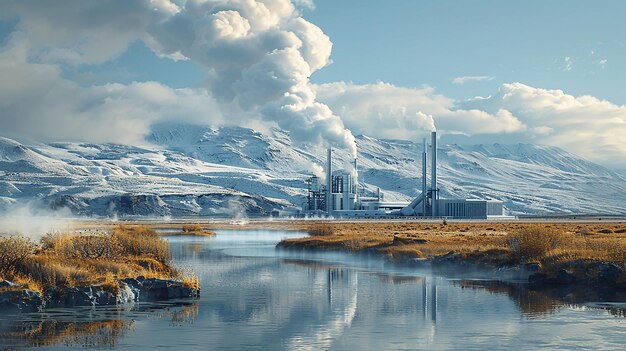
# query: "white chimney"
329, 181
433, 170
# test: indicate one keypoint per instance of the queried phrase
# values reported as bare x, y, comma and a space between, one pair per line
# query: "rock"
21, 300
159, 289
538, 279
65, 296
7, 284
130, 290
128, 293
565, 277
100, 296
532, 267
608, 275
103, 297
577, 263
133, 282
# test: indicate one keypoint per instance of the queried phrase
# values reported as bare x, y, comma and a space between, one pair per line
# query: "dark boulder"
161, 289
20, 300
532, 268
65, 296
538, 279
608, 275
564, 277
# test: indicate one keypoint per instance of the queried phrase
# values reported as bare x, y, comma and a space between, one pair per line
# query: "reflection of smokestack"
433, 301
424, 176
433, 170
424, 298
329, 181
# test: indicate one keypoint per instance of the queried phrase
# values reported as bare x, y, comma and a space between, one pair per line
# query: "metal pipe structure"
433, 180
329, 181
356, 178
424, 176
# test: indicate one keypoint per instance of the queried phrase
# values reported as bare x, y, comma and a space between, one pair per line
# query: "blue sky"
414, 43
544, 72
411, 43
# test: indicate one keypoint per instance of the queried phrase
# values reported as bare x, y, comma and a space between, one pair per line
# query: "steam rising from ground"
237, 212
31, 221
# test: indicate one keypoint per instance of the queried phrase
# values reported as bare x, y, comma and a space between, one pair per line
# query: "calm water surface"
255, 297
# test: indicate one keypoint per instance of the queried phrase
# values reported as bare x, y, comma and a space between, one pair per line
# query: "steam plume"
259, 56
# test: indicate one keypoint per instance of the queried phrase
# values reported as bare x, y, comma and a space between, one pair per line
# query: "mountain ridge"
192, 170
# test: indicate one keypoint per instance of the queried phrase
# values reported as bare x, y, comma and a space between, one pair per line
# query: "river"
255, 297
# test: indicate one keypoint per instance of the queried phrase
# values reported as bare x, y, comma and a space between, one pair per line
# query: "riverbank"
546, 254
72, 269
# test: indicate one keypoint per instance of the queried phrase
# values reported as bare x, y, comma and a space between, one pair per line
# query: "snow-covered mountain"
195, 170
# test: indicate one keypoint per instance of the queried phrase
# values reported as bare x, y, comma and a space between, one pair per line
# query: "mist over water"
255, 297
33, 221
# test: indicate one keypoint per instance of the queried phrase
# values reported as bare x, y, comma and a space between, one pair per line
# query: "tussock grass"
196, 229
534, 242
79, 259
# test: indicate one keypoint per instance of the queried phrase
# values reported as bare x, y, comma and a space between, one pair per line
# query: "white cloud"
568, 63
37, 102
603, 63
586, 125
83, 32
384, 110
259, 55
471, 79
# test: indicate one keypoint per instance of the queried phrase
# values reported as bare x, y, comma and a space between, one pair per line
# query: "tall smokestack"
329, 181
433, 176
356, 175
424, 176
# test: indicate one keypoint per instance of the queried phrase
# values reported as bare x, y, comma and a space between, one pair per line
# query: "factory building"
470, 208
342, 196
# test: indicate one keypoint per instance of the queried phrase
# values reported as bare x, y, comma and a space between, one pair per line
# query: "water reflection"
255, 297
86, 327
530, 303
538, 303
54, 332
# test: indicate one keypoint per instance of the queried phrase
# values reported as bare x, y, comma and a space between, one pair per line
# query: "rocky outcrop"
65, 296
580, 272
130, 290
14, 298
159, 289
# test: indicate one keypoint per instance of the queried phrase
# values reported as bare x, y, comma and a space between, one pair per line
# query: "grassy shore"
102, 258
550, 246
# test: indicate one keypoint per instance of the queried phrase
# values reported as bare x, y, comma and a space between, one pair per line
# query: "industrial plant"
342, 196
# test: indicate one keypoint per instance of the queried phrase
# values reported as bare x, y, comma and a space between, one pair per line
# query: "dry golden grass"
533, 243
196, 229
79, 260
14, 250
544, 243
191, 281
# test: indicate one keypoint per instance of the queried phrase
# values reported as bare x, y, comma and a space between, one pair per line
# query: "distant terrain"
190, 170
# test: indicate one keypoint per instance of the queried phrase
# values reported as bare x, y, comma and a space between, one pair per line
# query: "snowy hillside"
195, 170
